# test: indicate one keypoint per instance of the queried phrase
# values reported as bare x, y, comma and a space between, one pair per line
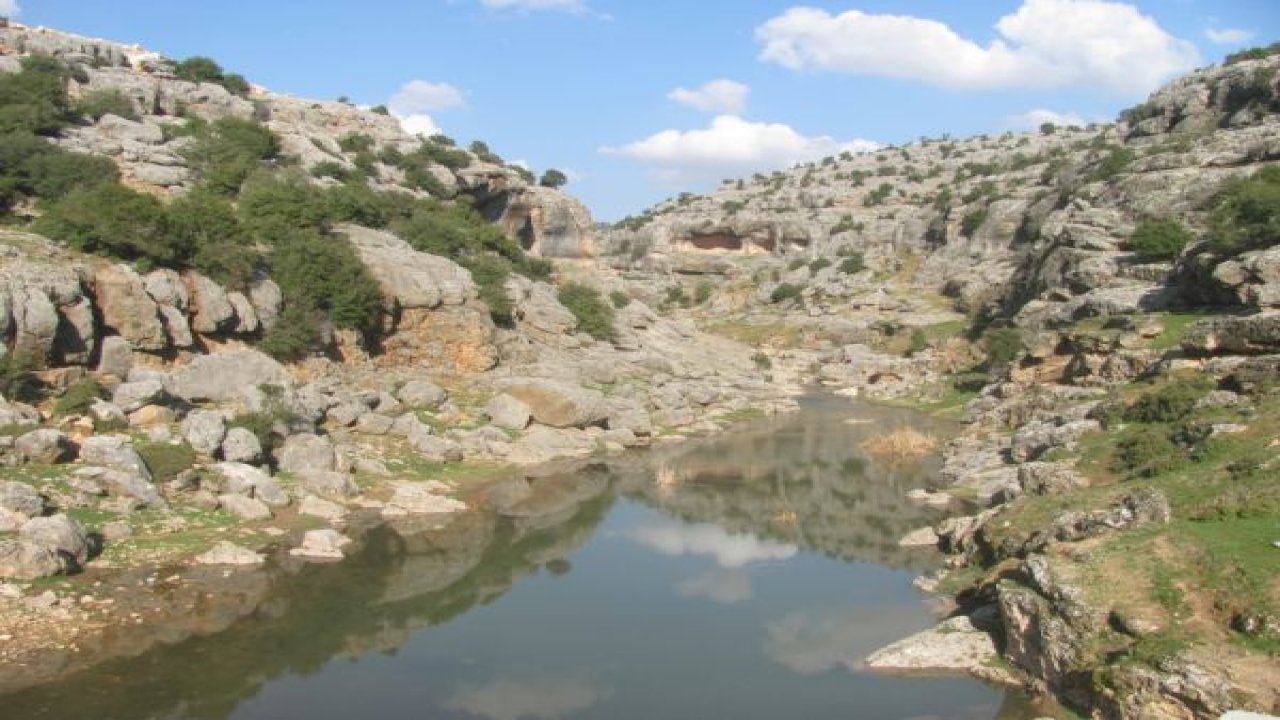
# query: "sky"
638, 101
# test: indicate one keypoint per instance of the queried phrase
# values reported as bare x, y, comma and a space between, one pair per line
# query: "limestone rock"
326, 544
242, 446
221, 377
127, 308
227, 553
116, 452
59, 533
43, 447
204, 431
212, 311
422, 395
22, 560
131, 396
123, 484
20, 498
328, 484
953, 645
306, 453
115, 357
1253, 334
409, 278
421, 499
313, 506
244, 507
507, 412
559, 404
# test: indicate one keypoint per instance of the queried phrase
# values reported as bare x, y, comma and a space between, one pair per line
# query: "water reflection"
686, 605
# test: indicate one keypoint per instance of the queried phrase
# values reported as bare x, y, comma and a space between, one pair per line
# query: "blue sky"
593, 87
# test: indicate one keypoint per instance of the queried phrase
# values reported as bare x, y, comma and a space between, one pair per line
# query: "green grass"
1175, 328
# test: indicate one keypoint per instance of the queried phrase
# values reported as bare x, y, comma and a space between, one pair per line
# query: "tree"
553, 178
114, 220
1048, 128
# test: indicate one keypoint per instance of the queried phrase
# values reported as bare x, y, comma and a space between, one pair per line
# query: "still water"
741, 577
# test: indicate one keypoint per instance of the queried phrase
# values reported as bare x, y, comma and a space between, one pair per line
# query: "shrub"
595, 316
1004, 345
1113, 163
165, 460
878, 196
762, 361
553, 178
356, 143
35, 100
1161, 239
324, 274
853, 264
112, 219
795, 264
819, 264
96, 103
480, 149
333, 169
1147, 451
973, 221
227, 151
1170, 403
210, 238
702, 292
77, 399
17, 377
273, 206
784, 292
1253, 53
30, 166
619, 299
202, 69
919, 342
295, 334
1246, 213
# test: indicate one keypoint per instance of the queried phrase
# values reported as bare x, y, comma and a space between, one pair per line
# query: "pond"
745, 576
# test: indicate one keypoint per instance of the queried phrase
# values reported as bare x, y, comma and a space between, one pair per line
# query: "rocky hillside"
222, 307
1102, 307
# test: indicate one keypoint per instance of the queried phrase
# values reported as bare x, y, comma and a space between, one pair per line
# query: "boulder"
313, 506
242, 446
22, 560
266, 298
43, 447
374, 424
307, 453
116, 452
507, 412
20, 498
59, 533
221, 377
421, 499
422, 395
242, 479
127, 309
244, 507
410, 279
211, 308
115, 357
328, 484
560, 404
1249, 335
123, 484
131, 396
204, 430
326, 544
226, 553
107, 413
954, 645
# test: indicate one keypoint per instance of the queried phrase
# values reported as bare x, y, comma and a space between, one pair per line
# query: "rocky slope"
151, 424
1120, 403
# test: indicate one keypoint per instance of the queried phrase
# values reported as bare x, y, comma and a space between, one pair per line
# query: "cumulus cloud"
420, 96
814, 641
1044, 43
542, 698
418, 124
729, 551
723, 97
1033, 119
1229, 36
9, 8
730, 146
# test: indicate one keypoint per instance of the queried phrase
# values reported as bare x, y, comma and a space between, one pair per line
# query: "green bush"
295, 334
18, 380
356, 143
1246, 213
853, 264
762, 361
202, 69
211, 239
619, 299
784, 292
1171, 403
274, 206
1003, 345
1161, 239
1148, 451
166, 461
33, 167
226, 152
490, 274
77, 399
110, 101
553, 178
819, 264
973, 221
335, 170
919, 342
702, 292
795, 264
595, 316
113, 220
324, 274
1116, 161
480, 149
35, 100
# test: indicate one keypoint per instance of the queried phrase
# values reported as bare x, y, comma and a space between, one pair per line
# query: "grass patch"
1175, 327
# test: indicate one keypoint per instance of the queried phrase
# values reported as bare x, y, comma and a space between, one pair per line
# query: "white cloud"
729, 551
419, 96
542, 698
9, 8
723, 97
814, 641
573, 6
418, 124
1033, 119
726, 587
1229, 36
1045, 43
730, 146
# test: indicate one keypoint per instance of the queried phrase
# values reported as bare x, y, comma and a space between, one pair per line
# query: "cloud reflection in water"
540, 698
